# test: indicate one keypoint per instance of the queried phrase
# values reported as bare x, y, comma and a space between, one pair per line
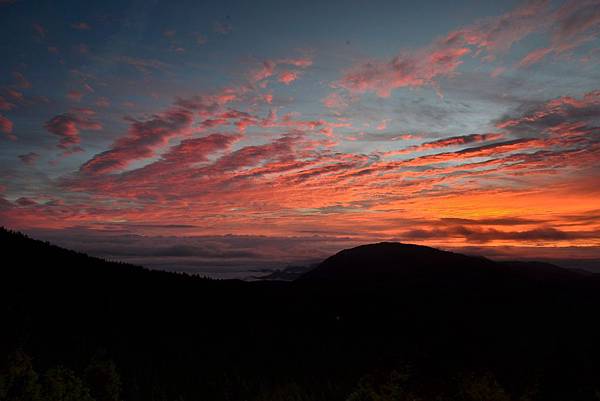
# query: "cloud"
447, 142
6, 126
493, 149
22, 82
201, 39
217, 256
335, 101
5, 105
29, 158
14, 95
222, 27
279, 149
81, 26
574, 23
266, 70
287, 77
405, 70
534, 56
67, 126
479, 235
39, 30
143, 65
141, 141
562, 117
102, 102
145, 137
75, 96
269, 68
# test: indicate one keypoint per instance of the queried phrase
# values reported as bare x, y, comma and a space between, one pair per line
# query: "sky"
223, 137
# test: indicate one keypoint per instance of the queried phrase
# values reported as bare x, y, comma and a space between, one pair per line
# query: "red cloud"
144, 137
535, 56
558, 116
22, 82
75, 96
15, 95
302, 62
335, 101
197, 150
405, 70
6, 126
141, 141
265, 71
67, 126
481, 151
446, 142
5, 105
287, 77
574, 23
270, 67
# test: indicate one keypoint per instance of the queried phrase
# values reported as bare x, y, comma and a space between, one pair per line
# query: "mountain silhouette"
391, 263
381, 320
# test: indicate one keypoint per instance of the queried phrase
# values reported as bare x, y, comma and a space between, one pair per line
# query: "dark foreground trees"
459, 329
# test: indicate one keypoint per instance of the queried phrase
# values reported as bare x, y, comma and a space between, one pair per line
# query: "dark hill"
387, 260
393, 264
416, 322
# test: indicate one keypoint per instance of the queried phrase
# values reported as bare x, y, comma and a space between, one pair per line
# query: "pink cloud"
142, 140
102, 102
75, 95
302, 62
447, 142
22, 82
382, 125
145, 137
266, 70
5, 105
485, 39
269, 68
6, 126
81, 26
143, 65
405, 70
496, 72
40, 30
573, 24
535, 56
287, 77
498, 34
335, 101
15, 95
268, 98
68, 125
576, 22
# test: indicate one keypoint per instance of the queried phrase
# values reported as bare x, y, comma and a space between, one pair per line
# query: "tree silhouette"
103, 379
61, 384
18, 381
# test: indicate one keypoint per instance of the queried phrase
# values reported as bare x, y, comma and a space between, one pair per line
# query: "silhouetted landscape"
386, 321
278, 200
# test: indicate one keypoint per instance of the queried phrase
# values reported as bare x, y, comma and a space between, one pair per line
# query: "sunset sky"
225, 136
